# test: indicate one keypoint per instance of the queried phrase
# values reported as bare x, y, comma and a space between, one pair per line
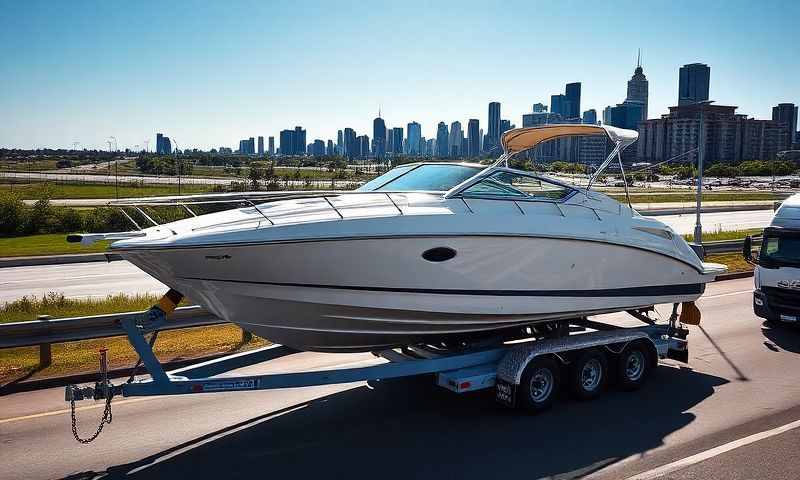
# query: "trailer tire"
539, 385
588, 374
633, 366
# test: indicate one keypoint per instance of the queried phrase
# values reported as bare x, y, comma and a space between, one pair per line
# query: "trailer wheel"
540, 382
633, 366
588, 374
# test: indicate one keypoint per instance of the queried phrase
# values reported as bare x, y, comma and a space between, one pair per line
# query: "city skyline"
138, 73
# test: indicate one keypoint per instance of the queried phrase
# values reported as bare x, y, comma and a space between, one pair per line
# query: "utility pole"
701, 148
177, 165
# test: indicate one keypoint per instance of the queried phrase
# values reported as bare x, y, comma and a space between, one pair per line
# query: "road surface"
718, 221
96, 279
741, 380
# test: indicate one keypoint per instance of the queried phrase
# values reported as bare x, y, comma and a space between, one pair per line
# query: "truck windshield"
780, 250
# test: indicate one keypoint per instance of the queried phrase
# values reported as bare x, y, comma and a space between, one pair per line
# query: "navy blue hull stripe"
645, 291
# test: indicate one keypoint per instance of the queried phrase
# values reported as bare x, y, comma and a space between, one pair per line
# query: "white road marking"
702, 456
77, 409
726, 294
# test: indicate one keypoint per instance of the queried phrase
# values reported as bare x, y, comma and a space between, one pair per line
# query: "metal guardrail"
41, 332
727, 246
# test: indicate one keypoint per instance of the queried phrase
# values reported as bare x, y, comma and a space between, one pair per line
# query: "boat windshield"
511, 184
438, 177
780, 250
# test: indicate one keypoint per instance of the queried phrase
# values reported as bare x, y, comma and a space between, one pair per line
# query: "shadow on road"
410, 428
786, 337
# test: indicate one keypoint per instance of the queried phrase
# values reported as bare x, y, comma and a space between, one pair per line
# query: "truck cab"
776, 297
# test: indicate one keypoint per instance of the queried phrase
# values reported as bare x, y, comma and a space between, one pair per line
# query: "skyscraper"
287, 142
318, 148
271, 142
557, 104
261, 145
505, 125
442, 137
493, 136
539, 108
397, 140
379, 137
329, 151
414, 132
572, 108
456, 137
590, 117
362, 142
693, 83
638, 88
159, 142
339, 143
786, 113
473, 135
351, 148
299, 140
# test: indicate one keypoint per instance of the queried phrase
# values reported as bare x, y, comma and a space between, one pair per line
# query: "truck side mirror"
747, 250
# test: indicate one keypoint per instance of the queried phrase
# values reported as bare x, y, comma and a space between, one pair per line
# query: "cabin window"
515, 185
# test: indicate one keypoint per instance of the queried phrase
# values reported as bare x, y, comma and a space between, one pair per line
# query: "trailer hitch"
103, 390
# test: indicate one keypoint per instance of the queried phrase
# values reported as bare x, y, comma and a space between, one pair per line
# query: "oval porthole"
439, 254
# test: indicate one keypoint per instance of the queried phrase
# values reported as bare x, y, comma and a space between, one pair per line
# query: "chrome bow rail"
253, 199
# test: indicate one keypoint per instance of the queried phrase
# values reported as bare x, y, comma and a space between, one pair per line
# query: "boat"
424, 254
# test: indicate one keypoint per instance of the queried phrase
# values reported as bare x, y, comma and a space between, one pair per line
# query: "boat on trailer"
426, 253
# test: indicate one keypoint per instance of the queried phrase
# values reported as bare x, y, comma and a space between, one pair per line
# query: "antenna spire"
639, 58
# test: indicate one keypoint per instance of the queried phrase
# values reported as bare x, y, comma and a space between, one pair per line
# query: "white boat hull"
364, 294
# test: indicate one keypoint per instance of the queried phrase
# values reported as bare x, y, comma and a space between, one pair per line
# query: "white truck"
776, 297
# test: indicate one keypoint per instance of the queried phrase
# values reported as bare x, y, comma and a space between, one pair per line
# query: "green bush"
12, 212
68, 220
106, 219
38, 218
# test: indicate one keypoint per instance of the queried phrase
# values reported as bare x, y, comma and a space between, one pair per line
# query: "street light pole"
177, 165
701, 147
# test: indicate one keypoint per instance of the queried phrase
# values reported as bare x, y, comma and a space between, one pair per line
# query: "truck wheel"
540, 381
588, 374
633, 366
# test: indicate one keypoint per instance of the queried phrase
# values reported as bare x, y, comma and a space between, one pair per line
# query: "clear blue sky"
209, 73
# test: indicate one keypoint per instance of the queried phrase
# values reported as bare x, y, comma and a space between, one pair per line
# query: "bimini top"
521, 139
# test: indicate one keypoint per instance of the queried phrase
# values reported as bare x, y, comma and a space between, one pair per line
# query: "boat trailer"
525, 372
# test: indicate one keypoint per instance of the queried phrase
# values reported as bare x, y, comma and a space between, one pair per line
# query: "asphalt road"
96, 279
741, 380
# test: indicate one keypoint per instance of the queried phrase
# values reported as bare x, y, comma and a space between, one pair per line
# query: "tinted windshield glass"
505, 184
386, 177
780, 250
430, 177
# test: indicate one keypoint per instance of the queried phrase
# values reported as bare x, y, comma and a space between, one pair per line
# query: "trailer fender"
514, 362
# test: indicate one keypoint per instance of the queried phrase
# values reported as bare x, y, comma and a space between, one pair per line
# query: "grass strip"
90, 190
735, 262
58, 306
725, 235
45, 244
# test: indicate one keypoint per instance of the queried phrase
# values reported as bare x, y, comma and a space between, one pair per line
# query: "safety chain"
107, 418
